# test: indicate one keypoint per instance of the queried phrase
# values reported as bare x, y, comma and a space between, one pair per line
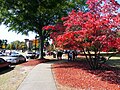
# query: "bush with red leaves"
78, 75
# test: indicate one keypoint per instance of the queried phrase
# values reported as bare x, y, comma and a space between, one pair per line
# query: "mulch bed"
78, 75
34, 62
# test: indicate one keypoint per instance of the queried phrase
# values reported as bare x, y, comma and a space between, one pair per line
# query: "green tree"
3, 43
17, 45
0, 43
8, 47
22, 46
23, 16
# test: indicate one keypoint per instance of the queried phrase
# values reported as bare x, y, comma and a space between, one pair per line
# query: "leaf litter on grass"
77, 75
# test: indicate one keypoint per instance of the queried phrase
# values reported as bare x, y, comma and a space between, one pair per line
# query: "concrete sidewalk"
40, 78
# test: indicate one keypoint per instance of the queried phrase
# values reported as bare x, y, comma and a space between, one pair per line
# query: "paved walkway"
40, 78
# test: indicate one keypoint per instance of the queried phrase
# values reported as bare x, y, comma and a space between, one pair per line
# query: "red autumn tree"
95, 30
55, 31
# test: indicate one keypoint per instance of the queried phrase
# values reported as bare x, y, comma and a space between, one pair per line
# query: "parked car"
4, 63
37, 54
20, 57
14, 53
2, 54
7, 53
30, 55
13, 59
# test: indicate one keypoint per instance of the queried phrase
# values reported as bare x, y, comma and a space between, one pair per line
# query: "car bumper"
13, 62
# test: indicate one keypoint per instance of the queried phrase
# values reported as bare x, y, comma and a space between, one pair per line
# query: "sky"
12, 36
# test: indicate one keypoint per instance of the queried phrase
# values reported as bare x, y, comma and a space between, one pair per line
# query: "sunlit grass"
114, 61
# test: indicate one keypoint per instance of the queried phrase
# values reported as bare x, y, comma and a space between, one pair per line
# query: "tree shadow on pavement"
7, 69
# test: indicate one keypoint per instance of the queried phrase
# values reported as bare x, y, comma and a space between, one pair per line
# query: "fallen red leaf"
34, 62
78, 75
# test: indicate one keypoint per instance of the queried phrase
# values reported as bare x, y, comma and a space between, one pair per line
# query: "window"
2, 60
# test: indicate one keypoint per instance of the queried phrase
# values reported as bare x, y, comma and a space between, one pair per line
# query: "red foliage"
34, 62
56, 30
96, 28
48, 27
78, 75
89, 29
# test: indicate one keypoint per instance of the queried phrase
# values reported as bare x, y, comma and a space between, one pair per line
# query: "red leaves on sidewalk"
77, 75
34, 62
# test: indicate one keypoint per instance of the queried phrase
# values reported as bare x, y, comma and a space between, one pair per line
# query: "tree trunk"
41, 45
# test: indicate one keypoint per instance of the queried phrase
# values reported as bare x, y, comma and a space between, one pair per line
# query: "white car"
13, 59
30, 55
2, 54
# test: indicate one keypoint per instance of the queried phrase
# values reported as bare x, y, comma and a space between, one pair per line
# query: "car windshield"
31, 53
14, 55
2, 60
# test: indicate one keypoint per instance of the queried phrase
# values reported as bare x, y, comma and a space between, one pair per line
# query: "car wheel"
24, 60
27, 57
9, 66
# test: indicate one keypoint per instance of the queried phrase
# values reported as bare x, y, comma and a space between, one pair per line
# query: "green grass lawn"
114, 61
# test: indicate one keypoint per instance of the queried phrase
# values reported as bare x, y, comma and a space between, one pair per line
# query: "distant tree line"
16, 45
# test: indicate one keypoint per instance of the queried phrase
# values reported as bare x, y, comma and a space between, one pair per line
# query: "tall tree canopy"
23, 16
